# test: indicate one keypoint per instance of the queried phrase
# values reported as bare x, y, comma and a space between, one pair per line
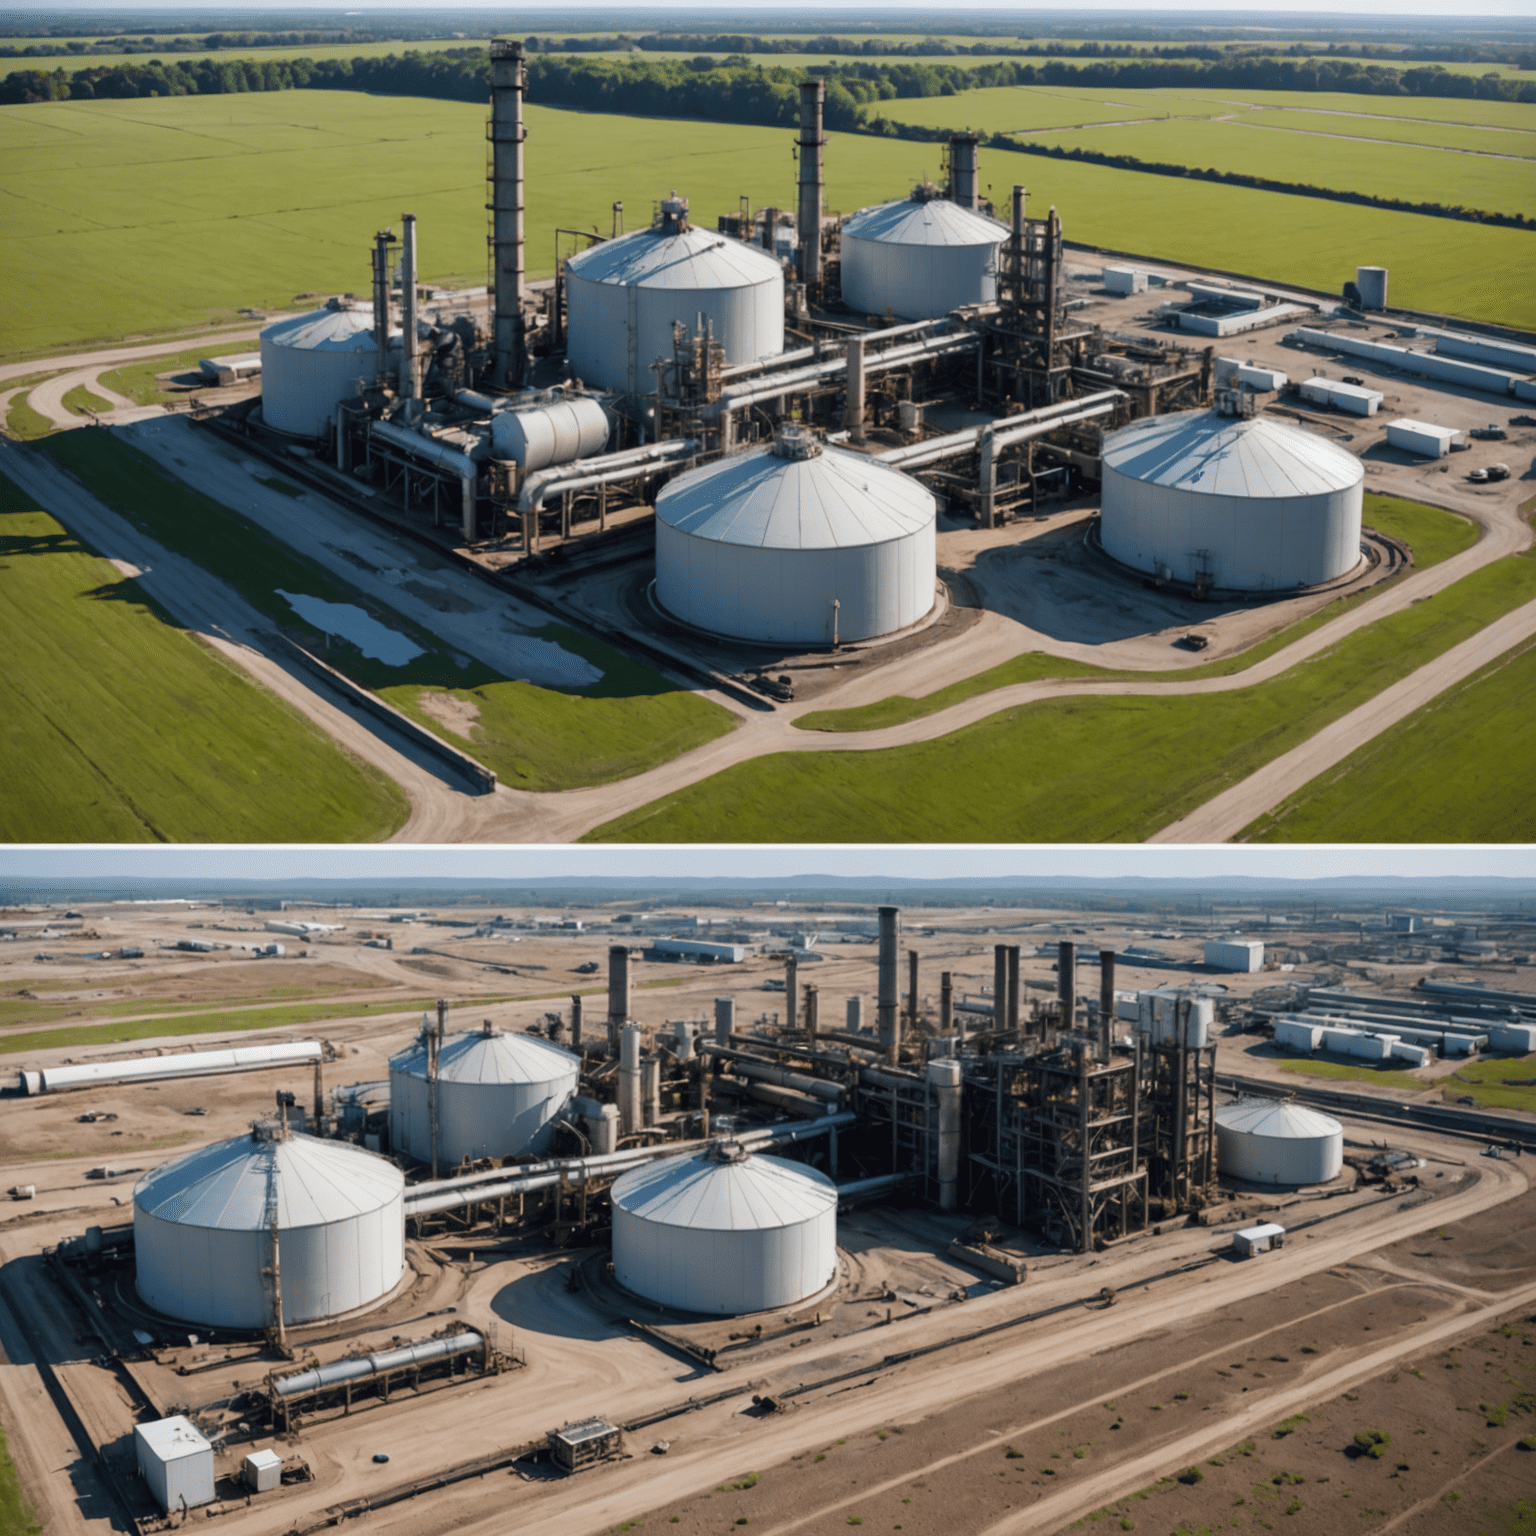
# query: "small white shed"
176, 1460
1260, 1239
263, 1471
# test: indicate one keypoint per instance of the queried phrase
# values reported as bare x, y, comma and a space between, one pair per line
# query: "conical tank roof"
343, 329
1215, 455
729, 1193
225, 1186
1276, 1118
666, 257
796, 494
924, 221
491, 1057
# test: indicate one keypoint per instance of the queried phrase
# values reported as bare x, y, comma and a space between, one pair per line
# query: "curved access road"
115, 357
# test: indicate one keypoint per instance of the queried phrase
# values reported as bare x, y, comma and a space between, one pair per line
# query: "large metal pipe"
618, 992
509, 79
964, 180
410, 371
607, 469
813, 95
853, 390
380, 1363
1066, 981
631, 1113
886, 1019
994, 435
872, 1188
757, 1070
148, 1069
944, 1081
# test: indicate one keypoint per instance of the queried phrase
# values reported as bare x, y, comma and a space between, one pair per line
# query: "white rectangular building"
1122, 281
1355, 398
1423, 437
263, 1471
1235, 954
176, 1461
1260, 1239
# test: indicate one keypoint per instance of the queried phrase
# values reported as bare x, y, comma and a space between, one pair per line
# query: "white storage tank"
623, 297
1242, 503
761, 546
310, 363
1274, 1141
555, 431
919, 258
201, 1229
497, 1096
724, 1232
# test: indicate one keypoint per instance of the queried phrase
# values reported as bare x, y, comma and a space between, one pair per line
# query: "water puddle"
373, 639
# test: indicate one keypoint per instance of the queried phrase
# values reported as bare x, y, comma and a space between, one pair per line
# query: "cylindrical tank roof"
711, 1194
1277, 1119
924, 221
665, 257
225, 1186
490, 1057
346, 328
797, 495
1206, 453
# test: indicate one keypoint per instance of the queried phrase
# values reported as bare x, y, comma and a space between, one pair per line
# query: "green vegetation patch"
141, 382
1500, 1083
81, 401
1073, 769
25, 424
1433, 535
121, 727
536, 738
1382, 1076
16, 1514
1452, 771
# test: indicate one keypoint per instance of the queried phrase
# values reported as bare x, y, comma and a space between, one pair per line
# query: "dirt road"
115, 357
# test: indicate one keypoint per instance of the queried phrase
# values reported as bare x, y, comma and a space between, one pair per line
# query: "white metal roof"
494, 1058
694, 258
173, 1438
833, 500
1428, 428
1277, 1118
1215, 455
698, 1192
325, 330
225, 1185
1264, 1229
913, 221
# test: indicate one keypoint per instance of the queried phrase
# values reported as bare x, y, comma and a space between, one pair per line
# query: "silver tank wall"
1279, 1159
723, 1272
301, 387
786, 594
1256, 545
916, 282
475, 1119
615, 332
212, 1276
557, 433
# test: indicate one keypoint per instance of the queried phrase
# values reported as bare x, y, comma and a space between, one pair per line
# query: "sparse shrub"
1294, 1507
1191, 1475
1182, 1397
1289, 1426
1373, 1443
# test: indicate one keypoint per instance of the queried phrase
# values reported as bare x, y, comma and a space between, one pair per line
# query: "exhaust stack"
618, 993
1066, 982
410, 374
381, 244
813, 96
887, 1001
964, 177
509, 80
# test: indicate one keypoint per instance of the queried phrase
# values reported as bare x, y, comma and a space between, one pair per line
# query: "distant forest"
733, 88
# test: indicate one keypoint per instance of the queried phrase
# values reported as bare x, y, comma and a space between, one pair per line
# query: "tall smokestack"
912, 992
946, 1003
1106, 984
509, 79
576, 1022
381, 244
725, 1019
792, 992
1013, 988
1066, 981
964, 177
886, 1001
813, 96
999, 988
410, 375
618, 992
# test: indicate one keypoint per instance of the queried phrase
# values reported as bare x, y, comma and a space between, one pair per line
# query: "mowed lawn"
118, 726
127, 217
1456, 771
1075, 769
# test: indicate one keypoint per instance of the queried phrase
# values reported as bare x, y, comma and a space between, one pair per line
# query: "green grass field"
25, 424
1381, 1077
121, 727
108, 202
81, 400
1489, 1082
140, 382
535, 738
1452, 772
1432, 534
15, 1512
1104, 769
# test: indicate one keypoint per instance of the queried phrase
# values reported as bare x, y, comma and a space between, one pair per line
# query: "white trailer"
1255, 1240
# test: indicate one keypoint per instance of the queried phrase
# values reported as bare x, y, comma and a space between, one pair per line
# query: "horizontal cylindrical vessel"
310, 363
796, 544
1245, 504
202, 1228
1270, 1141
365, 1367
497, 1095
557, 432
624, 296
724, 1232
919, 258
148, 1069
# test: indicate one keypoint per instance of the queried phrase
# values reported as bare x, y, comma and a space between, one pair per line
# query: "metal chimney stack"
725, 1019
410, 375
792, 993
1014, 993
618, 993
509, 79
999, 988
887, 1000
964, 177
1066, 981
576, 1022
381, 244
813, 96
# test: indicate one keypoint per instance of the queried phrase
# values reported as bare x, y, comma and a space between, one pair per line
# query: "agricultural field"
1506, 1082
1073, 769
98, 676
1453, 771
533, 737
111, 202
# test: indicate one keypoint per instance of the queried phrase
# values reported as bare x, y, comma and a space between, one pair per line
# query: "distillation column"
509, 79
